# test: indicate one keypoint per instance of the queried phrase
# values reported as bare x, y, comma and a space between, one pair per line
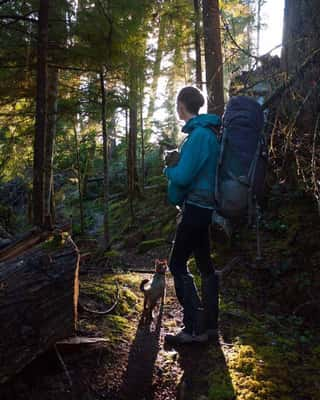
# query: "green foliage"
88, 37
150, 244
112, 254
55, 241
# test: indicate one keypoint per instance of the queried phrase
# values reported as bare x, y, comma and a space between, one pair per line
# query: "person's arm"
195, 154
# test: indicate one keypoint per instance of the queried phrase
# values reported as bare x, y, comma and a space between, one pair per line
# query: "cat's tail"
142, 284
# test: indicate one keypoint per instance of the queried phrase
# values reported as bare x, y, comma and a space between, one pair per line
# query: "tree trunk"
301, 42
53, 78
41, 116
38, 304
213, 56
156, 68
127, 144
301, 32
132, 155
133, 187
89, 167
197, 43
142, 138
301, 37
171, 121
79, 177
105, 163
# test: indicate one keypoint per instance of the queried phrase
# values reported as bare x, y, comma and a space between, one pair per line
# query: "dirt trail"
140, 369
147, 370
145, 374
256, 352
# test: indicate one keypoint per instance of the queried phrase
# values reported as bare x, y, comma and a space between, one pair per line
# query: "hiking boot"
184, 337
200, 338
181, 337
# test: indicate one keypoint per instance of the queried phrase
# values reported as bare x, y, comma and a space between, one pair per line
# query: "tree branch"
279, 91
226, 27
20, 17
13, 66
64, 67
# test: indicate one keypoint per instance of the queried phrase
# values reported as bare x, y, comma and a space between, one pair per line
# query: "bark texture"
300, 104
213, 56
38, 304
53, 79
133, 187
156, 68
301, 39
301, 32
197, 43
41, 115
105, 162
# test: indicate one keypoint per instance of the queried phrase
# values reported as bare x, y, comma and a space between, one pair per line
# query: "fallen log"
22, 244
39, 292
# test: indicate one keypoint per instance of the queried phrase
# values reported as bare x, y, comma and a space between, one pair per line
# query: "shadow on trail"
205, 372
137, 379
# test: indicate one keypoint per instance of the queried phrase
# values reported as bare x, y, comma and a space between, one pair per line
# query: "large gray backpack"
242, 162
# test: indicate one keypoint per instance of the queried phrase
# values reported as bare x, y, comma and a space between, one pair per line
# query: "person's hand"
172, 158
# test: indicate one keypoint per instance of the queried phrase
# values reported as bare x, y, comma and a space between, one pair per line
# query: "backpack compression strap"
220, 159
251, 176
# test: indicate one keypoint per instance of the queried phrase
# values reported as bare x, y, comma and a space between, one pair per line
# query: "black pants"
192, 237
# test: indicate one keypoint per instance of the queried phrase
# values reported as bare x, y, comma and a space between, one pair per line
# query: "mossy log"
38, 303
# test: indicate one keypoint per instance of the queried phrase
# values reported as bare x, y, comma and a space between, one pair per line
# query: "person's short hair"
192, 98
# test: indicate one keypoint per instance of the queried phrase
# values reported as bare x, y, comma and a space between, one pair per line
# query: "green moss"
258, 373
117, 328
55, 241
106, 290
265, 364
221, 387
120, 324
146, 245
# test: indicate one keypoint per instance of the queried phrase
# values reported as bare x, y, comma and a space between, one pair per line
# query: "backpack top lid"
243, 112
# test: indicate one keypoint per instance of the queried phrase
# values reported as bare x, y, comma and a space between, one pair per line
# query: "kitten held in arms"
154, 290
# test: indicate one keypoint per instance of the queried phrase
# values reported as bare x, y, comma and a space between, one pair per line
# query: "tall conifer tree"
213, 56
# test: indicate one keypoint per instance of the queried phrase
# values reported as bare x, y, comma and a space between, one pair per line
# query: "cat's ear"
157, 261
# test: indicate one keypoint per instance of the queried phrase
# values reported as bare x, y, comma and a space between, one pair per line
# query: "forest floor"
268, 346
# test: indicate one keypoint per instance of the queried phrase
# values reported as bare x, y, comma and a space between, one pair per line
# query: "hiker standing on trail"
191, 186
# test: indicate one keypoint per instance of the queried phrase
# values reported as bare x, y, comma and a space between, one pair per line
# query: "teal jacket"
192, 180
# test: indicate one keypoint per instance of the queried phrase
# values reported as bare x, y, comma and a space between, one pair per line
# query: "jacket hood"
202, 120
